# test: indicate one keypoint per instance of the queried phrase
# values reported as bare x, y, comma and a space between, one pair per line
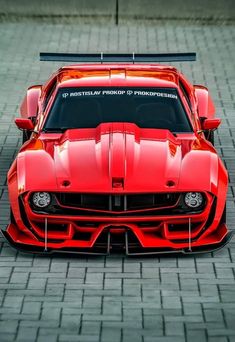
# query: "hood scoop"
118, 156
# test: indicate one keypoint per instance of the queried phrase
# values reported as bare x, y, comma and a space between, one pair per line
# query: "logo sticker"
120, 92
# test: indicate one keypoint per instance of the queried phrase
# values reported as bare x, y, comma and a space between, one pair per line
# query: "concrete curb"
122, 9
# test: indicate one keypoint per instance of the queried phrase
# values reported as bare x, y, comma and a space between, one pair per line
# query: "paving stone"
31, 309
71, 322
27, 334
114, 334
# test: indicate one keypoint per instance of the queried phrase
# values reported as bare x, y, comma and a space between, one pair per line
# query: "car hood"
119, 157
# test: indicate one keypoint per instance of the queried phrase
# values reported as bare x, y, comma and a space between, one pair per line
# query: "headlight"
41, 199
193, 199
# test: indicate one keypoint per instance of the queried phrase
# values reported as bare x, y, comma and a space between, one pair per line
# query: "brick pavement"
116, 299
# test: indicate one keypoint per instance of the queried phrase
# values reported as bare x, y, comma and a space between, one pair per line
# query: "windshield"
146, 107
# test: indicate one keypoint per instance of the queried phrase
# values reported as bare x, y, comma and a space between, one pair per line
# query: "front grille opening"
23, 213
116, 202
52, 227
151, 200
212, 213
84, 236
99, 202
148, 224
182, 227
102, 239
87, 224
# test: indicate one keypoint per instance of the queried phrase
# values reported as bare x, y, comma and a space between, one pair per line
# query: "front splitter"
105, 249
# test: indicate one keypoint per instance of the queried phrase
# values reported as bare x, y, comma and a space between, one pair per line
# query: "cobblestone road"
116, 299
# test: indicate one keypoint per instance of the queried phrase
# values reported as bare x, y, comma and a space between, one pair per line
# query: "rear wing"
120, 57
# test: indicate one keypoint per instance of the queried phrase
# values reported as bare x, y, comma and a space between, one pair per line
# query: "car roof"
118, 75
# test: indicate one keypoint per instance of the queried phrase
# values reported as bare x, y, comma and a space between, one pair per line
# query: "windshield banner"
119, 92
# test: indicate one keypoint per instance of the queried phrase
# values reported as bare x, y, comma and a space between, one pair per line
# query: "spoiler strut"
117, 57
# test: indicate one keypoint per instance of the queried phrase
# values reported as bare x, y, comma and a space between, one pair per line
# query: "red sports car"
117, 156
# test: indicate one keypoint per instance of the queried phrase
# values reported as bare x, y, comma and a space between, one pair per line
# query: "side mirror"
22, 123
209, 124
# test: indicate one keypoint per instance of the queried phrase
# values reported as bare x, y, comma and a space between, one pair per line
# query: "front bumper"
134, 233
108, 242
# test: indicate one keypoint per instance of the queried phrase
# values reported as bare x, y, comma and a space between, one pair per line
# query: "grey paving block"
27, 334
31, 309
7, 337
71, 322
115, 334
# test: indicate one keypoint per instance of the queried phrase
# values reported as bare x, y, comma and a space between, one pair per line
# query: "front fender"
203, 170
35, 171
